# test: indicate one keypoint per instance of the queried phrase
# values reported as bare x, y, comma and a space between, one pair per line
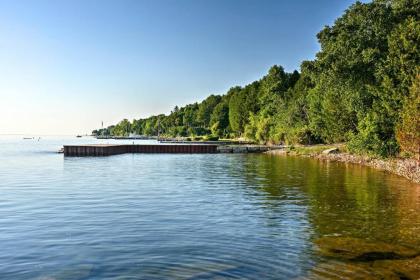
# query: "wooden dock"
108, 150
96, 150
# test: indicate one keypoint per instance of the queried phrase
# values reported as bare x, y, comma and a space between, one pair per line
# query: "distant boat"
79, 136
28, 138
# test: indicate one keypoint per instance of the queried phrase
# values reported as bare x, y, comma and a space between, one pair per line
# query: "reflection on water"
343, 199
187, 216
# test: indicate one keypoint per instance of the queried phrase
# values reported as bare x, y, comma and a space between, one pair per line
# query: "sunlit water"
200, 216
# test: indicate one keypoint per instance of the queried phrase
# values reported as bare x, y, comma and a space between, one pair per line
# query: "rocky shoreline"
408, 168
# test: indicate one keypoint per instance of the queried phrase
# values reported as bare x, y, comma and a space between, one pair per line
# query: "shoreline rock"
244, 149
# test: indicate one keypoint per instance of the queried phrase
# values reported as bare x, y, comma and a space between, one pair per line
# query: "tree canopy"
362, 88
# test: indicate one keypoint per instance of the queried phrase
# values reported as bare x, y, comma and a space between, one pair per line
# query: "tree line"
363, 88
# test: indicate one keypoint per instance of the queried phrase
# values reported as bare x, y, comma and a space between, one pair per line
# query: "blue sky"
65, 66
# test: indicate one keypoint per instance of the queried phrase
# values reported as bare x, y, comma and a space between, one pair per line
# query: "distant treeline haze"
363, 88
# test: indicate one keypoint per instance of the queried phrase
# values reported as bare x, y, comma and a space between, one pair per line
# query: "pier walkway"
115, 149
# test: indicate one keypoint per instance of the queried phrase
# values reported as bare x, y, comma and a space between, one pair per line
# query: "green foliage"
408, 130
356, 90
210, 138
123, 128
243, 101
205, 109
219, 120
373, 136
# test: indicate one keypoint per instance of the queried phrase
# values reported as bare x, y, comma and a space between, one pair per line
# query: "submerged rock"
200, 270
335, 270
196, 269
404, 269
407, 269
78, 272
362, 250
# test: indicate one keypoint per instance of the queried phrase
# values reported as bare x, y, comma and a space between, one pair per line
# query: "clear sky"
67, 65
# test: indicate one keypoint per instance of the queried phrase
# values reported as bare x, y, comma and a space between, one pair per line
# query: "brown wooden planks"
106, 150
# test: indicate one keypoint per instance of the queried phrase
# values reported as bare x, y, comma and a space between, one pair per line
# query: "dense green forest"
362, 88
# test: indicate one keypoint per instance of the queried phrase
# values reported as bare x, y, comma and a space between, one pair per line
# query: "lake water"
200, 216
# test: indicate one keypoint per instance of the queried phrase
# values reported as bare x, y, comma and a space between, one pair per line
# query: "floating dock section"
108, 150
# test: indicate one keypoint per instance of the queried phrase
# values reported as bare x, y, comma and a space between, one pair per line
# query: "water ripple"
185, 216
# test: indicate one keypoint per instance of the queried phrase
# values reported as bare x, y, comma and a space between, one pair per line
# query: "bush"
408, 130
374, 137
211, 138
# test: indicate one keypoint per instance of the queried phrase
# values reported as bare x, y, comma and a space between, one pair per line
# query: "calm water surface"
221, 216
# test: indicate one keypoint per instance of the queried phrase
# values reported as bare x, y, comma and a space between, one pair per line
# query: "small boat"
79, 136
28, 138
